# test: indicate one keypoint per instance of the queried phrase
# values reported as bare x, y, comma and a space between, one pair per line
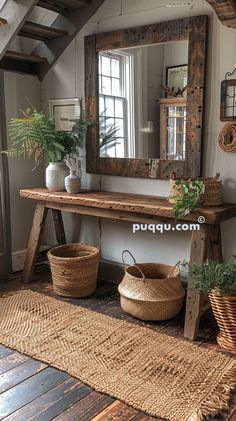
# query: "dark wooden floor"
31, 390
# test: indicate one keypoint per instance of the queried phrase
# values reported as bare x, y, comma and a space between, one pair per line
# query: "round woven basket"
224, 310
213, 195
151, 291
74, 269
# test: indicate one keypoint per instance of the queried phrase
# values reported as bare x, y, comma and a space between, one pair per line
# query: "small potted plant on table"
218, 280
188, 194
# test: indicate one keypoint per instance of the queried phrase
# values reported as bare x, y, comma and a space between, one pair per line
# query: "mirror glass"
142, 101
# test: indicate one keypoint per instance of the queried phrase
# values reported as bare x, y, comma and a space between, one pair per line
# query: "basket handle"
123, 258
172, 269
134, 264
140, 271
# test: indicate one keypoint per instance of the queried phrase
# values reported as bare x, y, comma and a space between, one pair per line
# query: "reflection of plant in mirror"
188, 196
108, 138
80, 128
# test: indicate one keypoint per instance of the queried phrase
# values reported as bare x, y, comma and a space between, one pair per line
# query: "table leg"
34, 241
59, 226
206, 244
194, 302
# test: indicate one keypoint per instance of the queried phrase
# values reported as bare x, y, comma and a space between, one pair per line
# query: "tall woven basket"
74, 269
213, 195
151, 291
224, 310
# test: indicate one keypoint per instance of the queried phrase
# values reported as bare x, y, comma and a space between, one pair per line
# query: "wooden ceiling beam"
3, 21
225, 10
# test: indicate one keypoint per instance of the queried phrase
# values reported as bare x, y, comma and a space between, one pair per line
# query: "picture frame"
64, 112
177, 76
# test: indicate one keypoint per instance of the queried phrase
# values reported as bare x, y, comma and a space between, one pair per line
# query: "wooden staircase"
53, 40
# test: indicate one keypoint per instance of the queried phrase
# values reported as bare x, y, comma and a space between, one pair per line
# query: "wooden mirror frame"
193, 29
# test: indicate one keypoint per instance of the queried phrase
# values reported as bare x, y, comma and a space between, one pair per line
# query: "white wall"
67, 80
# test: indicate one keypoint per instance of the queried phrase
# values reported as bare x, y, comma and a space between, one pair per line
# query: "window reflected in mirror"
139, 116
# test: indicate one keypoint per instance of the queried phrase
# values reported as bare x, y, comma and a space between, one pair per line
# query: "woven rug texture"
154, 373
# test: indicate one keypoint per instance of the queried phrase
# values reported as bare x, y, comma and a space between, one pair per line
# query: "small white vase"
73, 182
55, 176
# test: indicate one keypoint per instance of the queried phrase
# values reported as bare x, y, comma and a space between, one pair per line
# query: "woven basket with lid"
74, 269
151, 291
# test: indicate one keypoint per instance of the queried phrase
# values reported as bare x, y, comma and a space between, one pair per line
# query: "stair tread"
26, 58
63, 6
3, 21
40, 32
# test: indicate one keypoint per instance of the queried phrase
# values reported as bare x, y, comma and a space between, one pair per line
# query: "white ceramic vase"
73, 182
55, 176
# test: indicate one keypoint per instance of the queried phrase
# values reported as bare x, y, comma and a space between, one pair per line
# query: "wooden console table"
206, 242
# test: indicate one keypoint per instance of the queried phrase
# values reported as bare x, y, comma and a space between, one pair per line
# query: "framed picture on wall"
177, 76
64, 112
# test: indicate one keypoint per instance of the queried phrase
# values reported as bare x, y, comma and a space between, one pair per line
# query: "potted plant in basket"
218, 280
188, 194
34, 134
185, 196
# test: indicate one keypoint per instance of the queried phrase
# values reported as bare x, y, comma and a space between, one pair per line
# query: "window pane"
120, 127
116, 87
100, 64
106, 66
106, 86
101, 105
100, 84
120, 150
111, 153
119, 108
115, 68
110, 107
110, 123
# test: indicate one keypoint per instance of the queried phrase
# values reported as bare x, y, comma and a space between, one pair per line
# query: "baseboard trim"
18, 257
111, 271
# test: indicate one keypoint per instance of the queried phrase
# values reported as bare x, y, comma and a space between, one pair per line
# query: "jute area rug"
152, 372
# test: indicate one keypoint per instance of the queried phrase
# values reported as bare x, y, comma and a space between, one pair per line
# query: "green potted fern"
218, 280
34, 135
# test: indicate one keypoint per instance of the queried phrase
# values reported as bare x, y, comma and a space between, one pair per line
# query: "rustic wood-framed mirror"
114, 49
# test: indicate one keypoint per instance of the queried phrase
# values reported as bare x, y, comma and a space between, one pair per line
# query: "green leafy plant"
188, 196
31, 135
213, 275
35, 133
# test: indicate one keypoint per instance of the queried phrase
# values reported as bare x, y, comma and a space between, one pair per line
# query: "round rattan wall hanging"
227, 138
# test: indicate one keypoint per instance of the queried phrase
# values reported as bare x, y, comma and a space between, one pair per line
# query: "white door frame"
5, 229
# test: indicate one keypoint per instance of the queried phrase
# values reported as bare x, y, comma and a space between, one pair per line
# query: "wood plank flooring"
31, 390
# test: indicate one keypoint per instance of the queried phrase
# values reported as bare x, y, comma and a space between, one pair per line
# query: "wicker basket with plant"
187, 194
218, 280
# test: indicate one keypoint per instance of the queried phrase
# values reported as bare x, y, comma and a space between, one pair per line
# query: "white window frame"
127, 95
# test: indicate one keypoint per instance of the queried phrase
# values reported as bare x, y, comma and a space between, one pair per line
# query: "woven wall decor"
227, 138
